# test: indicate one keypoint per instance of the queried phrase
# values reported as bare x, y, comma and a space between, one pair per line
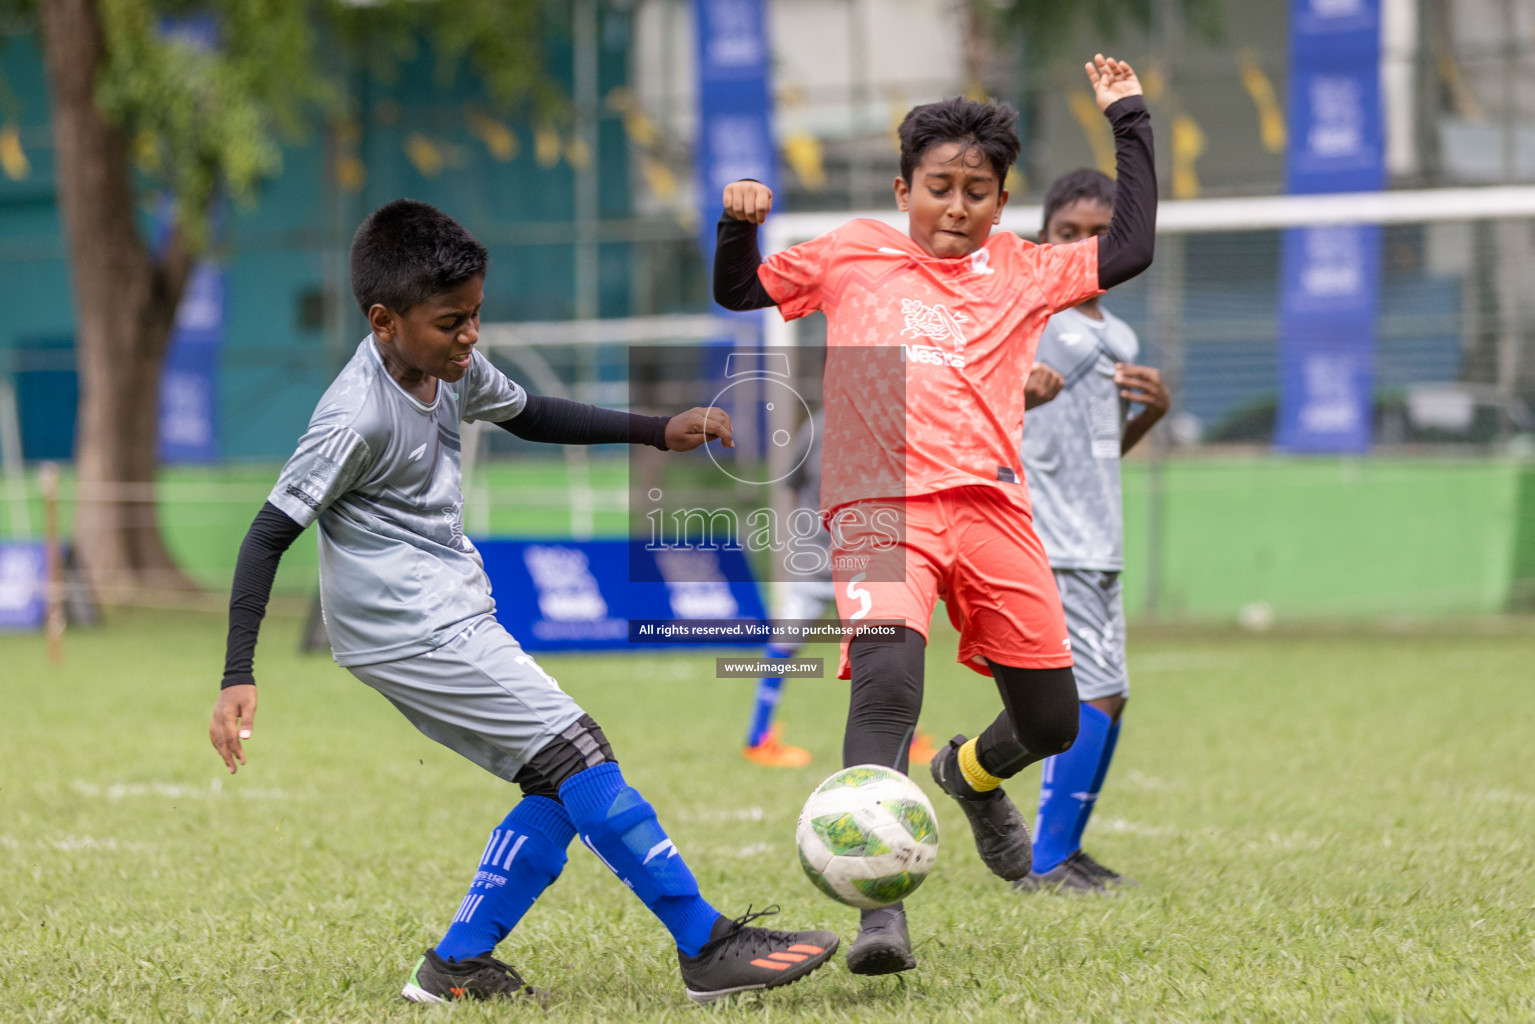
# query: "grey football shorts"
1095, 621
479, 694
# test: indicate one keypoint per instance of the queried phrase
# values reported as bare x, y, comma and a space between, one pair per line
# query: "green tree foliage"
205, 122
193, 100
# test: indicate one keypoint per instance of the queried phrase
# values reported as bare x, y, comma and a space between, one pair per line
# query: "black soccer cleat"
1071, 875
1107, 875
738, 958
435, 980
882, 946
1001, 835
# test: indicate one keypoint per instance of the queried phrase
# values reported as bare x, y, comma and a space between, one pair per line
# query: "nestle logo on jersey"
932, 355
936, 322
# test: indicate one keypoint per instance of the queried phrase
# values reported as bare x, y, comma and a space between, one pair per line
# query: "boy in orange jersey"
922, 487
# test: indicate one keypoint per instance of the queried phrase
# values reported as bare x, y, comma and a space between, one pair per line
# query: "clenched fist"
748, 200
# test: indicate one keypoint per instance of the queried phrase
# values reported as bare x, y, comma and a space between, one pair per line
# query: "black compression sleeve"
561, 421
885, 700
270, 535
1126, 249
1039, 718
736, 259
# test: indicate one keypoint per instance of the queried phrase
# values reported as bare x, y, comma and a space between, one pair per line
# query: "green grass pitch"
1327, 828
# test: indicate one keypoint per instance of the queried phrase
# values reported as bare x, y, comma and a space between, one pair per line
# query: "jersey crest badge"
980, 261
936, 322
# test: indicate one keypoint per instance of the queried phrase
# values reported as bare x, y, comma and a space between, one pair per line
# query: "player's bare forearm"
1137, 427
1142, 385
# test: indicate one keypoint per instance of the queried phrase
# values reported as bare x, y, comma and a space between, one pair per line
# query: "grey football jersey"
379, 470
1071, 445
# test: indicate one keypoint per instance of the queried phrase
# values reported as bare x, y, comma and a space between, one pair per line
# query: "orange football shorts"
972, 546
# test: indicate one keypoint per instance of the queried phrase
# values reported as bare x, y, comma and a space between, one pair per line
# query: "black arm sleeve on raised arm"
270, 535
736, 259
1126, 249
561, 421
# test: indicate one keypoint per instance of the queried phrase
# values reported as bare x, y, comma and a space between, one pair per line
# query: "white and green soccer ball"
867, 836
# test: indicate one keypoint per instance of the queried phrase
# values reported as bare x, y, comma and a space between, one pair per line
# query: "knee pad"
621, 828
1048, 734
579, 747
1041, 705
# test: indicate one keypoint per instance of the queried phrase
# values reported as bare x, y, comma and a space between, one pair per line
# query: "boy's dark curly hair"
1073, 186
407, 251
968, 122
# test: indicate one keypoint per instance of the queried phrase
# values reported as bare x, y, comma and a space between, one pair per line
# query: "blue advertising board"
23, 573
564, 595
1330, 276
188, 428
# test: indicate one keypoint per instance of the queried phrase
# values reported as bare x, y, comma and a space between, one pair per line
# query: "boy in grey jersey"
409, 612
1084, 381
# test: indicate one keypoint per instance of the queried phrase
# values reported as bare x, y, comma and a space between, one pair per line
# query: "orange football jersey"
949, 341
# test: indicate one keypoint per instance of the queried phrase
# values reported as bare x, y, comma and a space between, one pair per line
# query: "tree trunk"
125, 306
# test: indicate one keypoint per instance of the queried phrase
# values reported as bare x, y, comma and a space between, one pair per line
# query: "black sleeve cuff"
736, 259
1124, 107
560, 421
270, 534
1128, 246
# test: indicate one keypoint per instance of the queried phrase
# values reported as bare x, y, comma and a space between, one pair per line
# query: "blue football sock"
622, 830
524, 856
1098, 779
768, 689
1066, 791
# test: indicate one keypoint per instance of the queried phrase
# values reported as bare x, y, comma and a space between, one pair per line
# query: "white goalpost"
1205, 216
526, 346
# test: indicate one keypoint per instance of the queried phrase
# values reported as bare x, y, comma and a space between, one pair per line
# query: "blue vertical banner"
23, 587
188, 429
735, 106
1330, 276
735, 136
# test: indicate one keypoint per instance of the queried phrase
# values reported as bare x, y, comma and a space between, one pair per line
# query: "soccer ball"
867, 837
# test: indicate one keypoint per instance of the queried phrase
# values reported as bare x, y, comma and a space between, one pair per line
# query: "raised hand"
748, 200
1112, 80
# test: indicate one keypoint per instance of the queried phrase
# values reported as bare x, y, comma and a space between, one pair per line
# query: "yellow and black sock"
978, 778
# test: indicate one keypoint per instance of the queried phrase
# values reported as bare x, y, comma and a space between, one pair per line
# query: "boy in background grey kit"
1082, 385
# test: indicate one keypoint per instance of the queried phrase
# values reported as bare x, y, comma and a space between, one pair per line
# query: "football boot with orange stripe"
739, 958
435, 980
